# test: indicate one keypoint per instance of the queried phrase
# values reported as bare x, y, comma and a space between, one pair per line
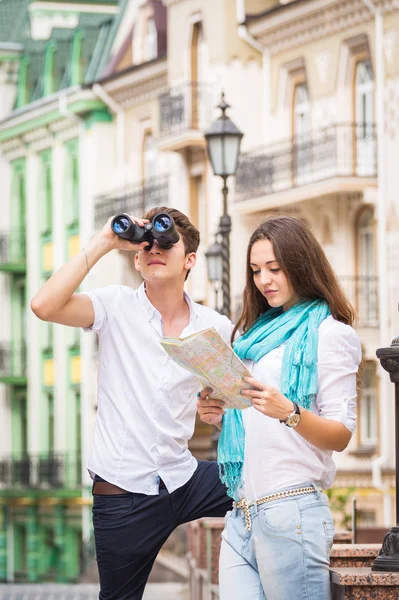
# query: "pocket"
329, 531
113, 506
281, 517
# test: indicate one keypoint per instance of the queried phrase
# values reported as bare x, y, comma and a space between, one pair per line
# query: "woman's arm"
326, 434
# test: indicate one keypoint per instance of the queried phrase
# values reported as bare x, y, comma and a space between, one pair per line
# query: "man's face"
162, 265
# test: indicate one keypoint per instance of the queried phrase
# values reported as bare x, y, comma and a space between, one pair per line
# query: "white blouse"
276, 456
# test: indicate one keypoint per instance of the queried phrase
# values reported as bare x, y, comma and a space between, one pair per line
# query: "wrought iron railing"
41, 471
13, 362
362, 291
345, 150
183, 107
13, 248
134, 200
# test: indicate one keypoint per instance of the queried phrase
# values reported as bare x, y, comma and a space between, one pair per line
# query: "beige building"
314, 92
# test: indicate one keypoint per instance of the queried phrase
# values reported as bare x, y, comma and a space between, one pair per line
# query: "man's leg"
129, 529
202, 496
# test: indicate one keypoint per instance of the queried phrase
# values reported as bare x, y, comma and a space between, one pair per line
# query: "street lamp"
214, 262
223, 145
388, 559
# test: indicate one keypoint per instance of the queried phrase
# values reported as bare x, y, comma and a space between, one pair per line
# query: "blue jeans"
286, 554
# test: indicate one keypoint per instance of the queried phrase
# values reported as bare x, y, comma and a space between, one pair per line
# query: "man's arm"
57, 301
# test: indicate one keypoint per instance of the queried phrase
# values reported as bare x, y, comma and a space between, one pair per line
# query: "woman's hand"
210, 409
268, 400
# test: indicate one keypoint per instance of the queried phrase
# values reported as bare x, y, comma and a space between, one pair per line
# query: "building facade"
104, 106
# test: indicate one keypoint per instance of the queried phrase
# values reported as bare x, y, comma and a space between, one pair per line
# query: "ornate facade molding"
141, 92
13, 149
312, 21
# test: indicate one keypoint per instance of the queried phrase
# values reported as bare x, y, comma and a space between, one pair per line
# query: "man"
146, 482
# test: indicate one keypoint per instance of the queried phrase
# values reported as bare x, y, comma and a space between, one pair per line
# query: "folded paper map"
207, 356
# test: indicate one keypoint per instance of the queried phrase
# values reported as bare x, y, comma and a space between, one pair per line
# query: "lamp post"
214, 264
388, 559
223, 144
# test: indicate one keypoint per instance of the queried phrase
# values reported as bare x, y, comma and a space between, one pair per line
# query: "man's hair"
188, 231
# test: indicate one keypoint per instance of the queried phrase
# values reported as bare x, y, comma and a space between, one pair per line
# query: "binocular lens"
121, 225
162, 223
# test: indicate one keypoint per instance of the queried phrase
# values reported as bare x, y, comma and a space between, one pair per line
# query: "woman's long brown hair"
303, 261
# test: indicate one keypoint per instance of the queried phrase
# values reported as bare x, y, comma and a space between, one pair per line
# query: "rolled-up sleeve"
339, 356
103, 300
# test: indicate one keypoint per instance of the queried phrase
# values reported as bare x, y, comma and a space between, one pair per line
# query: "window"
302, 142
72, 183
17, 247
366, 293
51, 422
46, 193
364, 117
151, 41
149, 156
368, 406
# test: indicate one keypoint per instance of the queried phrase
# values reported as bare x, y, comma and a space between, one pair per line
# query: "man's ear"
137, 262
191, 259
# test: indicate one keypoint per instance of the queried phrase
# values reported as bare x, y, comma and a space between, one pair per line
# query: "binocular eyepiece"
162, 228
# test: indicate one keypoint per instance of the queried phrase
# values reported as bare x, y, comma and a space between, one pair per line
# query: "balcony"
133, 200
13, 363
184, 114
13, 251
333, 159
362, 292
54, 471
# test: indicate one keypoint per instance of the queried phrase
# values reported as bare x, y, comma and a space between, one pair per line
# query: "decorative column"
388, 559
32, 544
3, 542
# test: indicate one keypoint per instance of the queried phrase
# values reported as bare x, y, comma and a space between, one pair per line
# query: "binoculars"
162, 229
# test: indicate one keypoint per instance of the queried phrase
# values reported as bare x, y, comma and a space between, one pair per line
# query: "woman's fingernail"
221, 403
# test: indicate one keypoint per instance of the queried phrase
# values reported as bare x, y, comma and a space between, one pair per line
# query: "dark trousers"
130, 529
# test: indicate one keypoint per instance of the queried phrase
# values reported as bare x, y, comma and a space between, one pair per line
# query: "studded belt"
244, 505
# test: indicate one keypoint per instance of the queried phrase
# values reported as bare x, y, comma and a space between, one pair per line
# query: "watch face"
293, 420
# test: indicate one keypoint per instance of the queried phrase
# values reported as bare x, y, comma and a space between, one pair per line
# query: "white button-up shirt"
276, 456
146, 402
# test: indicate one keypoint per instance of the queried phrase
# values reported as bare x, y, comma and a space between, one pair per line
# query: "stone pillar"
3, 543
32, 544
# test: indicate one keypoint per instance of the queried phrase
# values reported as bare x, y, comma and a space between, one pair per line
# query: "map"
207, 356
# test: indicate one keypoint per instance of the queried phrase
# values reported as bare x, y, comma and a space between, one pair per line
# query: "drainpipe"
382, 262
245, 35
117, 109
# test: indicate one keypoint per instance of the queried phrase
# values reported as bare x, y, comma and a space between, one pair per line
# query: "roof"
96, 32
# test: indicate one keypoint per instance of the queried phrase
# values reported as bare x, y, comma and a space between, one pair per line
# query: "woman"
276, 457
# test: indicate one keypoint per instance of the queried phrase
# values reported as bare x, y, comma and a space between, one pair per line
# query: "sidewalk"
154, 591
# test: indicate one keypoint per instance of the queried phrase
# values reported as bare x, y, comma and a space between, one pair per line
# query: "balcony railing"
184, 107
13, 250
134, 200
12, 361
41, 471
362, 291
335, 151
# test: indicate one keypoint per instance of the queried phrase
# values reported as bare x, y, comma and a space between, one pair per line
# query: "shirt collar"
151, 310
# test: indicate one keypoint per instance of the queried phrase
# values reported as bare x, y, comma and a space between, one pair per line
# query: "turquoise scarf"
298, 329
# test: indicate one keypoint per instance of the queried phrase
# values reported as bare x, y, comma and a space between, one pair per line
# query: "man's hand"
115, 242
210, 409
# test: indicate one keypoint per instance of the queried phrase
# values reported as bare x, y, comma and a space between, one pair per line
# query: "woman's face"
269, 278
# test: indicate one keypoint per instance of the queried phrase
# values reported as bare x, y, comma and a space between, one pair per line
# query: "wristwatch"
294, 418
